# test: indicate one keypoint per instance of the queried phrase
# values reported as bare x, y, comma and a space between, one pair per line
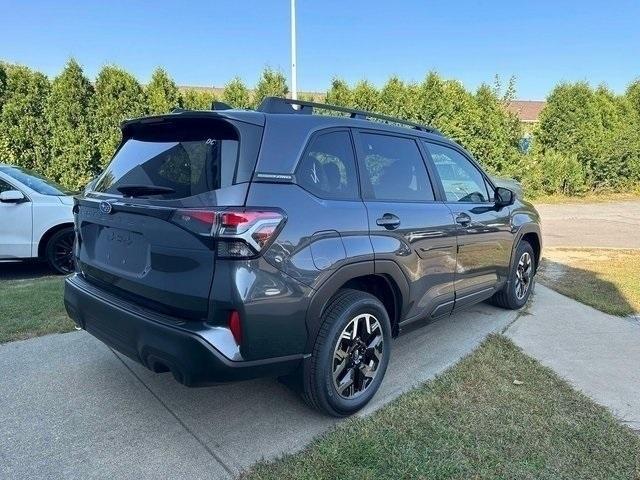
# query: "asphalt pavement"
605, 225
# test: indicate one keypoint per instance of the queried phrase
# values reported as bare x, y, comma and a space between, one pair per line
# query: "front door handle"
463, 219
388, 221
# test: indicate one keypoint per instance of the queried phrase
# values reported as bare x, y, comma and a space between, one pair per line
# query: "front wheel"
350, 356
59, 251
521, 279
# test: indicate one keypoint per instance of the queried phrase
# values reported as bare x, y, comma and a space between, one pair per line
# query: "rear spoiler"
246, 116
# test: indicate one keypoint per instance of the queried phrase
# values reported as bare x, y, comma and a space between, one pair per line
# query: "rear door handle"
388, 221
463, 219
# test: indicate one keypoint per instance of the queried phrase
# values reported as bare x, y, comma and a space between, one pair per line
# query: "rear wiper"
143, 190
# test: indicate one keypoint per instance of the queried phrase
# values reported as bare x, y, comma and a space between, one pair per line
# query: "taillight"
240, 233
202, 222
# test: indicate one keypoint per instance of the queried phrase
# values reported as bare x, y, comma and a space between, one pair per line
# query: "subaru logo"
105, 207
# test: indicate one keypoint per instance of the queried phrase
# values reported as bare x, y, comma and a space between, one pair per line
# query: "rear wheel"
350, 355
59, 251
521, 279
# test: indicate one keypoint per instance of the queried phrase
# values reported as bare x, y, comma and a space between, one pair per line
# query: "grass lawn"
32, 306
475, 421
608, 280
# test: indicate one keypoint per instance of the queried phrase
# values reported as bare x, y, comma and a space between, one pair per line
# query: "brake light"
240, 233
202, 222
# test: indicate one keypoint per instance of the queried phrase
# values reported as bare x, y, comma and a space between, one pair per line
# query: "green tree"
567, 123
395, 100
497, 134
448, 106
339, 93
3, 84
272, 83
23, 129
365, 96
236, 94
197, 99
633, 95
68, 114
118, 96
162, 93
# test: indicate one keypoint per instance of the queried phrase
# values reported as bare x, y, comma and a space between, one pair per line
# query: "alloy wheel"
357, 356
523, 275
63, 253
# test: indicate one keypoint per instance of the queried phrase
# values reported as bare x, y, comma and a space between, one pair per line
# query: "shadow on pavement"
23, 270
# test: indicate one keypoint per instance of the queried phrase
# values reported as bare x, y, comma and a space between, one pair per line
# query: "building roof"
528, 111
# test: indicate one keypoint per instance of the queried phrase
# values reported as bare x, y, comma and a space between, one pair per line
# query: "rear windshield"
184, 157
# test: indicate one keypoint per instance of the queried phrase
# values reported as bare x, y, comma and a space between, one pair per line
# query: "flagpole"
294, 80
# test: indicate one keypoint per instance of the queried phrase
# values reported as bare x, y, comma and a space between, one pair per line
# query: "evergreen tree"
23, 130
633, 95
236, 94
118, 96
3, 84
339, 93
497, 140
394, 99
365, 96
271, 84
162, 93
68, 114
197, 99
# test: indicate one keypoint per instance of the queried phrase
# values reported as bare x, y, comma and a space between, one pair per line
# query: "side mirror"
504, 197
11, 196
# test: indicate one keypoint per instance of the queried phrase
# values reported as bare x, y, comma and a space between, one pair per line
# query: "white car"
36, 219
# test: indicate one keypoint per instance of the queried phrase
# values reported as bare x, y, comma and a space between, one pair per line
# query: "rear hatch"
145, 225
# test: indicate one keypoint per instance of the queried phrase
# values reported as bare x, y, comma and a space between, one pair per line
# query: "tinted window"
35, 181
395, 168
461, 180
190, 161
5, 187
328, 167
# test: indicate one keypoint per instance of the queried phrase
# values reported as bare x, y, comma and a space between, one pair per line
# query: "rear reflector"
235, 327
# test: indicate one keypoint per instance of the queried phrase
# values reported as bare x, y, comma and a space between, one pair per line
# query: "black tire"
361, 312
59, 251
511, 297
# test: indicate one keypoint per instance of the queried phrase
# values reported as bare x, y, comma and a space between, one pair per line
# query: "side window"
461, 180
5, 187
490, 192
328, 169
395, 168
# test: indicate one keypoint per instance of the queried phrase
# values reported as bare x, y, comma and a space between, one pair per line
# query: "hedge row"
587, 138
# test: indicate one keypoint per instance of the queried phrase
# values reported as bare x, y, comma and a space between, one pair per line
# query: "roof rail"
286, 105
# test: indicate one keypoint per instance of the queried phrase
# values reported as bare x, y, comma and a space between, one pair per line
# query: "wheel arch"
385, 281
529, 232
44, 239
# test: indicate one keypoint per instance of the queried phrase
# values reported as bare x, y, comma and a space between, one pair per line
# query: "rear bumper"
160, 343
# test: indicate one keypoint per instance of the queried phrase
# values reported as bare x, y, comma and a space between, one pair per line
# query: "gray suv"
229, 244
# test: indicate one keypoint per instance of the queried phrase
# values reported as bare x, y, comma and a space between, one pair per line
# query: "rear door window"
328, 167
188, 159
394, 169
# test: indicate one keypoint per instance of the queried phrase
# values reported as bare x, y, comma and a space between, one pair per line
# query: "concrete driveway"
610, 225
71, 408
